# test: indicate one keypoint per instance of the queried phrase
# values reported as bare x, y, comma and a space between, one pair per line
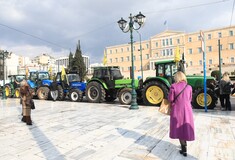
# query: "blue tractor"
39, 82
71, 86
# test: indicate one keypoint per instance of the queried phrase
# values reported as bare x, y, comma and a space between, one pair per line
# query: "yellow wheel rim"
200, 100
17, 93
154, 94
7, 91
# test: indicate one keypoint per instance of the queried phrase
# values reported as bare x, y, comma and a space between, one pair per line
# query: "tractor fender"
99, 81
46, 82
158, 79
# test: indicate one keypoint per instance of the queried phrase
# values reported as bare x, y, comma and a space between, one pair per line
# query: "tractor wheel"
198, 99
17, 93
153, 93
61, 95
75, 95
8, 90
95, 92
124, 96
43, 93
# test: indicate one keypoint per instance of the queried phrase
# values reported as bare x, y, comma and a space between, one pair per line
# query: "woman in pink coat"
181, 117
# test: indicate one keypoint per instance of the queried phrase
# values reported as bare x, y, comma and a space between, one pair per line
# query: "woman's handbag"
32, 104
165, 107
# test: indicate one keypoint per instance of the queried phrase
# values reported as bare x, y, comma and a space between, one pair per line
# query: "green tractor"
12, 89
157, 88
107, 84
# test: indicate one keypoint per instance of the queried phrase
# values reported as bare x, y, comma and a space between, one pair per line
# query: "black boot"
28, 120
183, 150
23, 119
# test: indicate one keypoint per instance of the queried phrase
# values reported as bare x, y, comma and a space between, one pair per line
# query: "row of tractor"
107, 84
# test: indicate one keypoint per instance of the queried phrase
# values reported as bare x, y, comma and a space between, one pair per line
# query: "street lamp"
3, 56
141, 57
138, 19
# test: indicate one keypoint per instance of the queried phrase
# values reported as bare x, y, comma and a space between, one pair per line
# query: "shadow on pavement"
158, 147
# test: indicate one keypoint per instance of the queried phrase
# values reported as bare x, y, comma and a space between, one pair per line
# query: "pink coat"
181, 118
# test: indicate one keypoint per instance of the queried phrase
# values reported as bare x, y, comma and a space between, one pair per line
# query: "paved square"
87, 131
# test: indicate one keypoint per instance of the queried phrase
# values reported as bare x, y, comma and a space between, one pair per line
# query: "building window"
178, 41
110, 60
147, 56
116, 50
231, 33
200, 62
134, 58
191, 63
167, 42
199, 49
122, 59
128, 58
156, 44
121, 49
171, 52
219, 35
221, 47
163, 53
116, 59
110, 51
189, 39
156, 55
209, 36
163, 42
170, 41
147, 45
199, 37
231, 46
232, 60
190, 51
128, 49
167, 52
210, 61
209, 49
148, 67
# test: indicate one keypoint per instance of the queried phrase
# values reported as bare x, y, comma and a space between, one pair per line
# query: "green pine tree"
70, 61
78, 63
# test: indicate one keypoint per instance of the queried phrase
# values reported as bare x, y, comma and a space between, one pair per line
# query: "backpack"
227, 88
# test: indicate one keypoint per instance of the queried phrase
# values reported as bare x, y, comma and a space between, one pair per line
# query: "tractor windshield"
116, 74
19, 78
43, 75
74, 78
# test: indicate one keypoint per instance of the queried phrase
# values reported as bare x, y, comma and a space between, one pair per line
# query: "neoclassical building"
163, 46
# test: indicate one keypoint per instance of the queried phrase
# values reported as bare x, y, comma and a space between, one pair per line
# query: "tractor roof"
165, 61
105, 67
16, 75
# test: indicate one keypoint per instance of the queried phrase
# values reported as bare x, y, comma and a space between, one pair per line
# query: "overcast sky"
33, 27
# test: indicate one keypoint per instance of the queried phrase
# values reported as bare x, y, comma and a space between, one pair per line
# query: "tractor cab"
108, 74
168, 68
39, 78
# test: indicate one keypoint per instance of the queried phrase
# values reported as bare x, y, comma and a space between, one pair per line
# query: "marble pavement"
86, 131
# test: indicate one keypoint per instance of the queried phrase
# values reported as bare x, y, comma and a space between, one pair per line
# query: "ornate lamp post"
141, 57
3, 56
126, 27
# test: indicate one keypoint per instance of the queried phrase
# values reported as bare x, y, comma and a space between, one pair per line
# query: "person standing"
54, 91
181, 116
225, 86
26, 97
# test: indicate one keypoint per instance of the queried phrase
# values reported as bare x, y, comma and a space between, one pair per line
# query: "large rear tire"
198, 99
17, 93
61, 95
153, 93
95, 92
124, 96
8, 90
43, 93
75, 95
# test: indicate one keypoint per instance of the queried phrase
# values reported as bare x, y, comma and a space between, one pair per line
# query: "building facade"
163, 46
